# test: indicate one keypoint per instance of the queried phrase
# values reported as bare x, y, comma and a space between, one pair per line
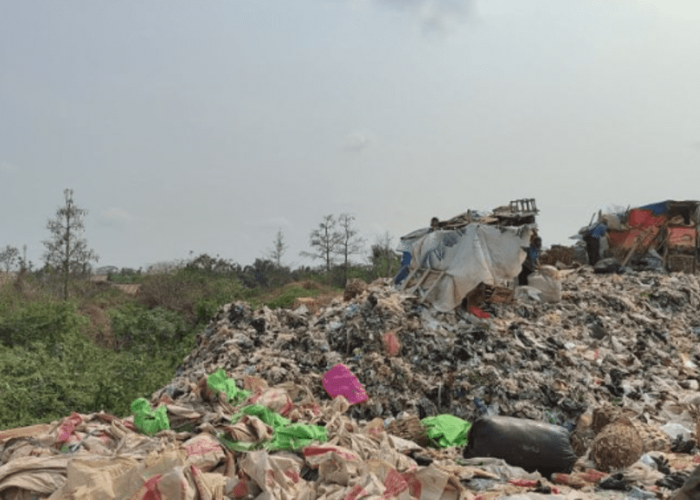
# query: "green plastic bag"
270, 417
218, 382
288, 436
295, 436
446, 430
237, 445
147, 420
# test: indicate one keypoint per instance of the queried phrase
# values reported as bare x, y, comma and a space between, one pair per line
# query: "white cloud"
358, 140
114, 217
7, 167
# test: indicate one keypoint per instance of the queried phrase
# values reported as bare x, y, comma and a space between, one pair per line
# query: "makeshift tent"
447, 264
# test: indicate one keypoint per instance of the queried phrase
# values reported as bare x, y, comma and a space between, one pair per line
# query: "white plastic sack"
546, 280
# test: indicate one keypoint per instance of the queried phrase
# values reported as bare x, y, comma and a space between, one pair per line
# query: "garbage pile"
614, 362
628, 340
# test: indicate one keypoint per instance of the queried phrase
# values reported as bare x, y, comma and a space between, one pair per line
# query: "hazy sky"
207, 126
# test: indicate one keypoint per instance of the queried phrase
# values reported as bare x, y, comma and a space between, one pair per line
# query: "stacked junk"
390, 393
661, 235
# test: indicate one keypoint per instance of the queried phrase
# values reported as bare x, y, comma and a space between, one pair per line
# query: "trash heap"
628, 340
615, 362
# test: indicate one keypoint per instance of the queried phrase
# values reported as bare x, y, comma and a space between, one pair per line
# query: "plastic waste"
529, 444
490, 410
218, 382
270, 417
674, 430
673, 481
147, 420
294, 437
446, 430
640, 494
547, 282
478, 312
647, 459
614, 482
689, 490
340, 381
607, 266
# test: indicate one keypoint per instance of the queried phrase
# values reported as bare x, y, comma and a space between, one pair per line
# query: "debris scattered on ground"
614, 361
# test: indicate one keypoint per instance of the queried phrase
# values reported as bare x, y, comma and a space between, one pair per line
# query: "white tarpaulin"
469, 255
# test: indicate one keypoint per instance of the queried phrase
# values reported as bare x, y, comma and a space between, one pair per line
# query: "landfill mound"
628, 340
615, 361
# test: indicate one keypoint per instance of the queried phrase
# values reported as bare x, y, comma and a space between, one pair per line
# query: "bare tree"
278, 249
324, 241
67, 250
349, 243
8, 257
24, 264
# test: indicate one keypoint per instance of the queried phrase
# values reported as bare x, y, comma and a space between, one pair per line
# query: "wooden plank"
408, 278
421, 279
437, 280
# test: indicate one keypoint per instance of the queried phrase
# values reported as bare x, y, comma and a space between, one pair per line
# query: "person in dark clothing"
532, 261
592, 240
592, 248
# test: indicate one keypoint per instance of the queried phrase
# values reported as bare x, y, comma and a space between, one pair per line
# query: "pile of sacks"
615, 362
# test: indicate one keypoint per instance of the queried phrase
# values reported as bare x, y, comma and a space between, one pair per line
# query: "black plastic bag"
532, 445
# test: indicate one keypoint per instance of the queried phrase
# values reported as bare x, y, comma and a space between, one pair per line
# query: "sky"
209, 126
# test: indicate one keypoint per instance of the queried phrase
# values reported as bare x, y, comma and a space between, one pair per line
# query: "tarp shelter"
670, 228
446, 264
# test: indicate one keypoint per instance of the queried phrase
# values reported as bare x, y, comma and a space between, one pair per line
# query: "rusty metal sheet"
627, 239
640, 217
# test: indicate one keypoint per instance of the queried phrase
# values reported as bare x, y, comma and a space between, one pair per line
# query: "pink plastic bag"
392, 346
340, 381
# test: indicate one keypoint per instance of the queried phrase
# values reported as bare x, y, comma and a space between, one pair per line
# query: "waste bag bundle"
532, 445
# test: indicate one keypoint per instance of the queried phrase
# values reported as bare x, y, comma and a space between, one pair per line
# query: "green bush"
43, 321
137, 327
39, 386
49, 369
193, 293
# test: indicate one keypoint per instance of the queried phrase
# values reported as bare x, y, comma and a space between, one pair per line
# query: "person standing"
532, 260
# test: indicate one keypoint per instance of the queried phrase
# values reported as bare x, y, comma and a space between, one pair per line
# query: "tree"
278, 249
324, 240
349, 243
384, 259
207, 264
8, 257
67, 250
107, 270
24, 264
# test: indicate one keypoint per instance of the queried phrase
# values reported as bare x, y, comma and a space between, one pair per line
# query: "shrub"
193, 293
46, 322
139, 328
